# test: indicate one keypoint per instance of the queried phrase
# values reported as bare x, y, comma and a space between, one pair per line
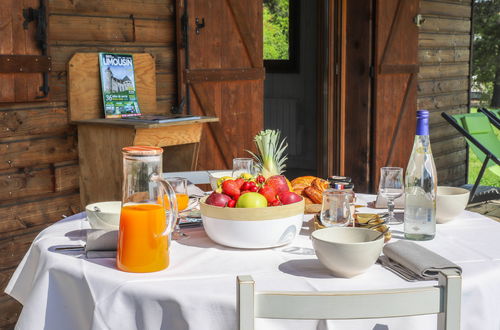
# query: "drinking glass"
241, 166
179, 185
391, 187
335, 210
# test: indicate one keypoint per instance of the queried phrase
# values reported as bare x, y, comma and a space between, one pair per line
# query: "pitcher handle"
172, 200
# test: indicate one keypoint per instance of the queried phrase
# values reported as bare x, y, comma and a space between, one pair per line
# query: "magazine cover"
118, 85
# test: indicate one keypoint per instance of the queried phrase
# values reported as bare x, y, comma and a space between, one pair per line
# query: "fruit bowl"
252, 228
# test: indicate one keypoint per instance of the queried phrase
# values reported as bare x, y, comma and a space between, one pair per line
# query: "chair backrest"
196, 177
443, 300
479, 134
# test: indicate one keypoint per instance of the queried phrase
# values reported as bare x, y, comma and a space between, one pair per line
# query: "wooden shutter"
223, 74
396, 69
18, 80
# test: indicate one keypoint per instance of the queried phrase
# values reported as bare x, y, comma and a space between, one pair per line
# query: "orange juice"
142, 242
182, 202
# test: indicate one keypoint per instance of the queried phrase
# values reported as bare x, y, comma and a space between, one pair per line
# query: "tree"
486, 56
276, 28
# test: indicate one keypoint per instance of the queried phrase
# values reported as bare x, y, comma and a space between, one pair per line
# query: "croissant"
298, 184
314, 194
320, 184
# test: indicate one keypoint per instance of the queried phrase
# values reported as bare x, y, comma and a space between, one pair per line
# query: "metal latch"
199, 25
418, 20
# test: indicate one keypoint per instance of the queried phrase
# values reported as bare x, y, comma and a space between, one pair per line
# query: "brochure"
118, 85
162, 118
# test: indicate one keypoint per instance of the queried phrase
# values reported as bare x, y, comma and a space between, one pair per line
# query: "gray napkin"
381, 202
101, 243
418, 259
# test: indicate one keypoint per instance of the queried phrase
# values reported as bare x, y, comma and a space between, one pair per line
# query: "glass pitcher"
145, 220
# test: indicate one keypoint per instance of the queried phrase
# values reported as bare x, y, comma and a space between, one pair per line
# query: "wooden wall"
38, 154
444, 50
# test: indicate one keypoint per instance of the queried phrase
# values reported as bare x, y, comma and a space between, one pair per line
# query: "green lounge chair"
478, 131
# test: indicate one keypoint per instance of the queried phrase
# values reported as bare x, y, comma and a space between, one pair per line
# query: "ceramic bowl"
216, 175
104, 215
450, 202
252, 228
347, 251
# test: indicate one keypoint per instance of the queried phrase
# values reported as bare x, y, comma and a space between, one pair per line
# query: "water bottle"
420, 185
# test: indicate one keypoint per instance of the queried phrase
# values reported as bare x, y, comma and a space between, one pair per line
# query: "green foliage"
276, 28
486, 55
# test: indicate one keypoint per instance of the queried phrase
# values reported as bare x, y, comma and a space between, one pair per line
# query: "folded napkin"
418, 259
381, 202
101, 243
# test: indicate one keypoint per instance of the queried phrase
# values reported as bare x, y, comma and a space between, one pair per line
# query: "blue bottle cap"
422, 122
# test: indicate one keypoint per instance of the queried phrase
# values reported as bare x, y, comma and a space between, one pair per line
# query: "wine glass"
242, 166
335, 210
179, 185
391, 187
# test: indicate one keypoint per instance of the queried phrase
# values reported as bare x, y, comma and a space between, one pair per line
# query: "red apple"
289, 197
268, 192
218, 199
279, 183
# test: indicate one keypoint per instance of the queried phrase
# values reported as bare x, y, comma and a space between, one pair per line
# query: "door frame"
331, 82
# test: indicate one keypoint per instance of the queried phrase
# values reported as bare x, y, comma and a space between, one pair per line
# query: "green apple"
251, 200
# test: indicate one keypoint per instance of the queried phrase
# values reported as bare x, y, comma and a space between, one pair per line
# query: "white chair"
443, 299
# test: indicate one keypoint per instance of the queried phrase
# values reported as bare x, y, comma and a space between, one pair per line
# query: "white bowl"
252, 228
347, 251
104, 215
216, 175
450, 202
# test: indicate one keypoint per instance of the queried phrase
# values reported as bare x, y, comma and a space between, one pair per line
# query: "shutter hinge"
372, 71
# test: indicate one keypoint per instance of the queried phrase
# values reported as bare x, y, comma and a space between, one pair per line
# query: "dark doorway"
290, 93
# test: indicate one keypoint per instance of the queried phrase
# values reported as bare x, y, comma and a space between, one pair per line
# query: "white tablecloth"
63, 290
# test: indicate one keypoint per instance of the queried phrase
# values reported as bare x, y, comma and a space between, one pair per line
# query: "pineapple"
270, 158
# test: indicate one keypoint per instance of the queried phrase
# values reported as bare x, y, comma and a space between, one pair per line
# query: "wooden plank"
168, 136
84, 86
438, 40
166, 85
443, 130
454, 158
32, 214
201, 75
25, 152
58, 86
66, 177
26, 182
139, 8
30, 105
449, 174
445, 9
427, 87
438, 101
435, 114
10, 311
104, 184
106, 28
448, 146
434, 56
443, 71
7, 93
440, 24
164, 53
5, 276
96, 28
36, 121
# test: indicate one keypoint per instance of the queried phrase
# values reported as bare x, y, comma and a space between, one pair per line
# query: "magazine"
118, 85
162, 118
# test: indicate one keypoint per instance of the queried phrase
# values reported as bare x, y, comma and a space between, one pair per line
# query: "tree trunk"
495, 99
